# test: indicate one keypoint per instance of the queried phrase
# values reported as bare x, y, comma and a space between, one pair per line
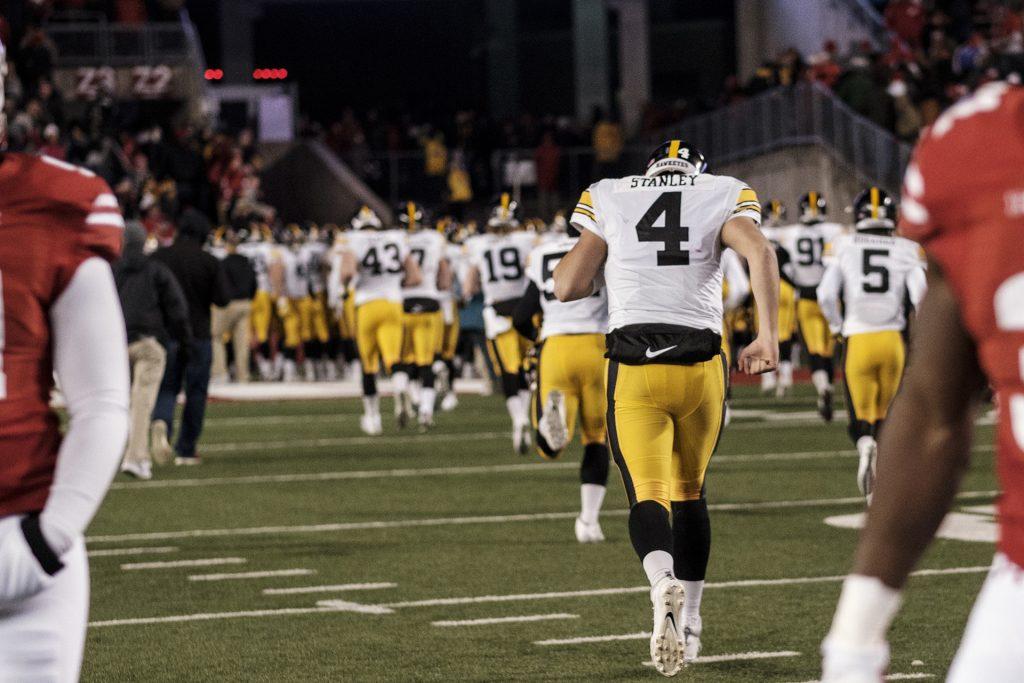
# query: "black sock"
510, 384
594, 467
426, 376
265, 349
786, 350
649, 528
369, 384
691, 536
857, 429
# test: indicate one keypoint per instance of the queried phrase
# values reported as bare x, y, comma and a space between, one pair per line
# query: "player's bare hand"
760, 356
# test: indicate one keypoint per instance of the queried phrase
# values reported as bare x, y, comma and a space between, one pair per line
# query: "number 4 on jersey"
672, 234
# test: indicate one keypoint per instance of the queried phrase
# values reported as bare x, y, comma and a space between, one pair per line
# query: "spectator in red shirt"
548, 158
907, 19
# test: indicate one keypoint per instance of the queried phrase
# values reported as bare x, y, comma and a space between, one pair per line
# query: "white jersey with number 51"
664, 247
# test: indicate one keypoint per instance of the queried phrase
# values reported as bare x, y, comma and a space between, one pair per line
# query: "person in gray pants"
155, 312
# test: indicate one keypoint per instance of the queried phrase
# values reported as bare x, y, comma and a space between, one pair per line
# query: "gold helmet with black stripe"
676, 156
411, 216
813, 208
874, 209
504, 216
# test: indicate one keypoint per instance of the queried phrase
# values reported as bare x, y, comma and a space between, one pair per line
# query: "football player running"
569, 375
862, 294
805, 243
444, 366
380, 259
258, 248
658, 238
781, 381
968, 334
497, 267
423, 322
59, 313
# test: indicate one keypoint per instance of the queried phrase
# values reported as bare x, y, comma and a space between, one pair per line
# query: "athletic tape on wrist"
42, 551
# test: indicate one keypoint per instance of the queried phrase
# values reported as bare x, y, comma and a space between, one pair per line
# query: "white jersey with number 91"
664, 247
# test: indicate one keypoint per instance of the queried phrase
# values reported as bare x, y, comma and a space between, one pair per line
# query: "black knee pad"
289, 352
649, 528
786, 350
691, 538
426, 376
369, 384
594, 466
265, 349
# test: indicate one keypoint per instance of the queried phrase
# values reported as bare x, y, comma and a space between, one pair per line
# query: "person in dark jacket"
234, 320
204, 284
155, 312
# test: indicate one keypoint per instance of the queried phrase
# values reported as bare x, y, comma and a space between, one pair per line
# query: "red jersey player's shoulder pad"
90, 209
935, 183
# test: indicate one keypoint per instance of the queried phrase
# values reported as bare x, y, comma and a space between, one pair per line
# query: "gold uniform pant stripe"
873, 370
262, 314
814, 328
507, 351
422, 337
379, 334
664, 422
574, 364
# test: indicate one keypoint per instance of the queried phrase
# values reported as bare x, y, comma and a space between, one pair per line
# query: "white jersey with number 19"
664, 244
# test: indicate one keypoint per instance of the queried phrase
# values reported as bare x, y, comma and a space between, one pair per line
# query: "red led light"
213, 74
269, 74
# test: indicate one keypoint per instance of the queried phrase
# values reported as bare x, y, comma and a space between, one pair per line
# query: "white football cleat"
691, 639
160, 447
552, 425
867, 449
588, 533
666, 641
139, 470
450, 402
370, 424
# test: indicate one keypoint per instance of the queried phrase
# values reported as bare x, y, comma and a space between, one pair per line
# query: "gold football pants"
814, 329
873, 370
507, 352
379, 334
663, 426
574, 365
262, 314
422, 337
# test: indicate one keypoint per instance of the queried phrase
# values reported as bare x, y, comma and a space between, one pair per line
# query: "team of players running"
651, 247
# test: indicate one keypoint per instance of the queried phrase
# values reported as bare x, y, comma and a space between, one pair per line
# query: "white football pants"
42, 637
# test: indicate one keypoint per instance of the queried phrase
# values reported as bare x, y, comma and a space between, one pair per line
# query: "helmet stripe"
673, 149
812, 199
874, 202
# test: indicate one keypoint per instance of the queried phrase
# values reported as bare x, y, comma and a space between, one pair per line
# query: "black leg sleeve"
649, 528
691, 536
594, 466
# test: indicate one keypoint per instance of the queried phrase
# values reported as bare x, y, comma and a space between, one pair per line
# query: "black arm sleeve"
528, 306
173, 305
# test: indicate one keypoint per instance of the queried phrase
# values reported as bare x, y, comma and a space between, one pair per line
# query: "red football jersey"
963, 199
53, 216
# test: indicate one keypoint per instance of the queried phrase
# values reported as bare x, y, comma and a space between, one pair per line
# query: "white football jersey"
296, 281
664, 247
872, 276
807, 246
380, 257
313, 255
585, 316
258, 254
501, 261
428, 248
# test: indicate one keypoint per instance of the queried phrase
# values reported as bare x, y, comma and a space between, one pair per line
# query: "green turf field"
397, 535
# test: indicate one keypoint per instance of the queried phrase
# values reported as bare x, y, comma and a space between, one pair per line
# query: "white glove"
849, 663
21, 572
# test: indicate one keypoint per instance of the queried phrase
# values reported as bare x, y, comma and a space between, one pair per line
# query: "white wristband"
866, 609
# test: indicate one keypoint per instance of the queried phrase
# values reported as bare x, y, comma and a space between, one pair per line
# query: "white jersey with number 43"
380, 255
585, 316
664, 244
873, 276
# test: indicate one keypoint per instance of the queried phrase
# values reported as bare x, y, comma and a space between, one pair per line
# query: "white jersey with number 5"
380, 255
585, 316
664, 247
872, 275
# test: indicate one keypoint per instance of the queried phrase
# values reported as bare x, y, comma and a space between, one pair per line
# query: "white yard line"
179, 618
505, 620
337, 588
642, 635
251, 575
117, 552
256, 448
893, 677
208, 562
459, 521
739, 657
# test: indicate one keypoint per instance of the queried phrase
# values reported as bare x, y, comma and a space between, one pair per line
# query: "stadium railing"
804, 114
94, 44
